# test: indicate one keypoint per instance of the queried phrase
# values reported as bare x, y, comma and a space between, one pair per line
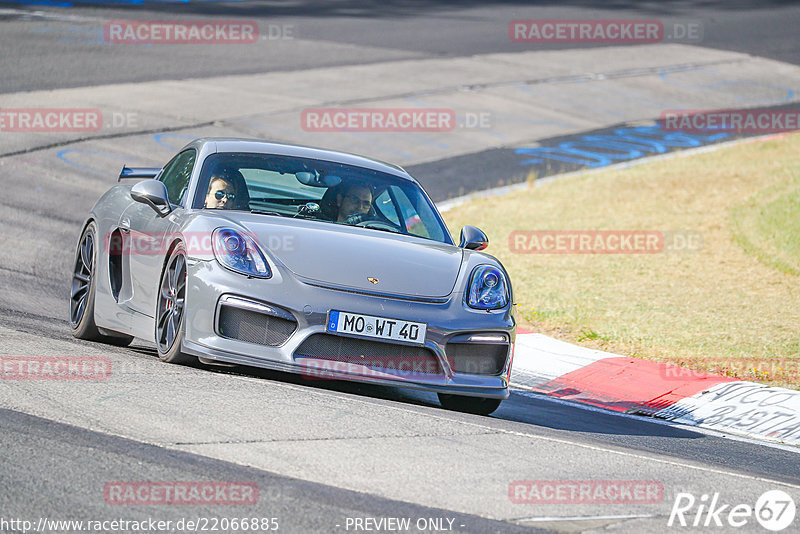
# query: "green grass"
731, 306
768, 226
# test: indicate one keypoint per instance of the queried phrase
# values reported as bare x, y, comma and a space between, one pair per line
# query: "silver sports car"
295, 259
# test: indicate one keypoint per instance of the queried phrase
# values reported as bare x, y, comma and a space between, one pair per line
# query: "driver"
353, 203
221, 193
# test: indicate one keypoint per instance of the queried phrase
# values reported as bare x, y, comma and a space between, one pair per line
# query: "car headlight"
487, 288
239, 252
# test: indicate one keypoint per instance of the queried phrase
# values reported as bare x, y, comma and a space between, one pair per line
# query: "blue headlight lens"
239, 252
487, 289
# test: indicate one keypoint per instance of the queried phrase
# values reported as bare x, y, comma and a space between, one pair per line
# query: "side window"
412, 219
176, 175
383, 204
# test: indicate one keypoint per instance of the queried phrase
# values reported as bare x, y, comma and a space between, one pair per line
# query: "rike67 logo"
774, 510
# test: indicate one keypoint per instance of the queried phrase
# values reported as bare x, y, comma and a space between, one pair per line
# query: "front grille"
404, 359
254, 327
477, 358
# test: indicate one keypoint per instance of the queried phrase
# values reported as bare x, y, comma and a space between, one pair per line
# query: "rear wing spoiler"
138, 173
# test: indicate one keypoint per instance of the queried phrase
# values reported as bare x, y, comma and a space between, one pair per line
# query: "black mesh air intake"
405, 359
254, 327
477, 358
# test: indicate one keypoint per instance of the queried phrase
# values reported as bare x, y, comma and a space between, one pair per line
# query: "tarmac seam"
626, 73
343, 438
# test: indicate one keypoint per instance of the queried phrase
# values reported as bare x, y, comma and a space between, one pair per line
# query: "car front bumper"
287, 298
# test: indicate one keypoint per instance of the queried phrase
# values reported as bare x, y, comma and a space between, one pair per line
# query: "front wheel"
474, 405
170, 309
81, 302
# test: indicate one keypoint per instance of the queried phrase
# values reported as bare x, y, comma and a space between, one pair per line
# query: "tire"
170, 309
81, 302
473, 405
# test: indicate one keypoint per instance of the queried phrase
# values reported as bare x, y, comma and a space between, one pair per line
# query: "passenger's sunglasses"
220, 194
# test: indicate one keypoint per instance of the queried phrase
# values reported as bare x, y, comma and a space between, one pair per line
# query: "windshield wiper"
265, 212
383, 229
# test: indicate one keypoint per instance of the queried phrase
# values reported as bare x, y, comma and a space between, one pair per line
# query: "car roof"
231, 144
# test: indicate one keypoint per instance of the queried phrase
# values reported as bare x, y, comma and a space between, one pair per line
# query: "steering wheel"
377, 223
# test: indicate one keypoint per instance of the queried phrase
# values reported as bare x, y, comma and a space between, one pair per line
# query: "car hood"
348, 257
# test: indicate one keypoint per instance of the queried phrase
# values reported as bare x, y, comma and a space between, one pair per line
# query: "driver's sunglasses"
219, 195
361, 202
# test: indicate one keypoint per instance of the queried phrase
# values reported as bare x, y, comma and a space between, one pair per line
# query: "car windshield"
320, 190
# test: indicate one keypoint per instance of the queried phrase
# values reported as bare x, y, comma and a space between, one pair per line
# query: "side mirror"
154, 194
473, 238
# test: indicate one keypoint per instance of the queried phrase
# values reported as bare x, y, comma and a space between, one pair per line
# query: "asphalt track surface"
319, 452
339, 33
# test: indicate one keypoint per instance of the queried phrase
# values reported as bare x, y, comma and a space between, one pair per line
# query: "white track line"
580, 518
528, 435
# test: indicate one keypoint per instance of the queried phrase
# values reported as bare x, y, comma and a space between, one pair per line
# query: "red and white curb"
602, 379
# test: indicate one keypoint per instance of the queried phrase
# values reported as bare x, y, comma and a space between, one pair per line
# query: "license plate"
377, 327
